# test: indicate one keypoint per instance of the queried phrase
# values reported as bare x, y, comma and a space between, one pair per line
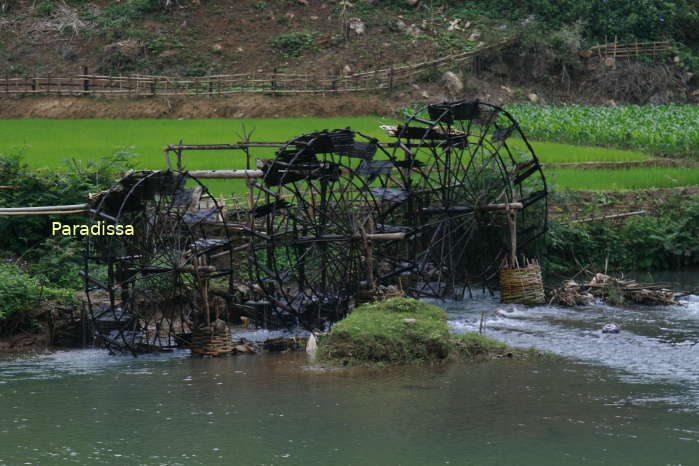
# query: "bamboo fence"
224, 84
632, 49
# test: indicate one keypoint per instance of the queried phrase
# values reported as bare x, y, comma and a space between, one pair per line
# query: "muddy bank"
241, 106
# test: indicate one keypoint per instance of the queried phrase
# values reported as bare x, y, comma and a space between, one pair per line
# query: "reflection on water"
616, 399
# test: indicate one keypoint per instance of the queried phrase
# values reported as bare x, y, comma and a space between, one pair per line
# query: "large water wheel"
473, 193
314, 250
147, 289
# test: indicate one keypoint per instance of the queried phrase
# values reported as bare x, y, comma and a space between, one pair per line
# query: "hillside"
196, 38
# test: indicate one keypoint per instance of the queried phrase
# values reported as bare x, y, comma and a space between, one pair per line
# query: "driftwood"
611, 290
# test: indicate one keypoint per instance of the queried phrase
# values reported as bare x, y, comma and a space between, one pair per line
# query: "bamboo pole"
226, 174
62, 208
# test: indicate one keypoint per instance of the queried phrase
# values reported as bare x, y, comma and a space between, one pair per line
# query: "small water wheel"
150, 289
462, 166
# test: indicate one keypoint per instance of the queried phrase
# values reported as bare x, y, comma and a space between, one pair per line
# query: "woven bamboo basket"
521, 285
212, 341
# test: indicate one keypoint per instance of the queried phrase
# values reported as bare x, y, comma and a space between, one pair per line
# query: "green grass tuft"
400, 331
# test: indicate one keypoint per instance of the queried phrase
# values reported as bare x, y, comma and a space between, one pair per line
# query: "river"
625, 399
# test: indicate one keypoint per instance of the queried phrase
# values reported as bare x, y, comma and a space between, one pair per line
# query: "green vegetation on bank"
666, 238
669, 129
399, 331
20, 297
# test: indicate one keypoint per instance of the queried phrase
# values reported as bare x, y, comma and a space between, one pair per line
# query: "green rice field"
622, 179
47, 143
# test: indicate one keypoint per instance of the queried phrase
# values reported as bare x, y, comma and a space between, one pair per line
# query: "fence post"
390, 79
153, 85
7, 83
274, 82
211, 87
86, 81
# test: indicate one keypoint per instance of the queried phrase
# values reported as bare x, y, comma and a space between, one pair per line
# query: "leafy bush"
45, 8
20, 295
670, 239
293, 44
58, 262
49, 187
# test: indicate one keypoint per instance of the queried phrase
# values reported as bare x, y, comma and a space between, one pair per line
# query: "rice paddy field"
622, 179
49, 143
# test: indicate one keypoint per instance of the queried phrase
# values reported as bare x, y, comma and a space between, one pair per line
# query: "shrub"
293, 44
670, 239
20, 296
49, 187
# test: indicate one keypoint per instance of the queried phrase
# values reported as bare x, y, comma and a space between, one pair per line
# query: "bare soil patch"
243, 106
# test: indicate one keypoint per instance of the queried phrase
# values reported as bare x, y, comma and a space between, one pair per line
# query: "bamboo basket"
521, 285
212, 341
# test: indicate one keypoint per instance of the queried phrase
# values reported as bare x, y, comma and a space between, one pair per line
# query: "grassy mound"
399, 331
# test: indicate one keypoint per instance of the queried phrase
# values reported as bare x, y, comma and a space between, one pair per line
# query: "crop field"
670, 129
45, 142
622, 179
554, 152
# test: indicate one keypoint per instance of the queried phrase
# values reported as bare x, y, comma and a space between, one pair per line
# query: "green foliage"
293, 44
667, 240
58, 262
20, 296
49, 187
116, 19
624, 19
45, 7
665, 128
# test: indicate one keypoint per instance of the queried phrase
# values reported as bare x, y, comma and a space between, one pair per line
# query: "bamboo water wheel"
470, 179
332, 219
146, 290
320, 247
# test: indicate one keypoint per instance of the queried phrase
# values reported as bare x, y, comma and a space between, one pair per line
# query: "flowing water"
625, 399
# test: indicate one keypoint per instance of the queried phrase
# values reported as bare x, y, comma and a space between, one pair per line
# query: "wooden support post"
390, 79
86, 81
274, 82
512, 224
366, 230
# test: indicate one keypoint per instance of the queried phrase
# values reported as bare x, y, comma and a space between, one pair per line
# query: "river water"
626, 399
